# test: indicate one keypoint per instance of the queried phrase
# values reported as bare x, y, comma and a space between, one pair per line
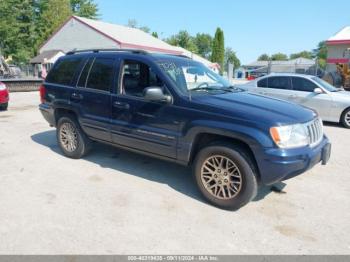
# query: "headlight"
290, 136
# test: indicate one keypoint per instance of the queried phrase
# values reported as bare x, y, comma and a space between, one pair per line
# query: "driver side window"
136, 76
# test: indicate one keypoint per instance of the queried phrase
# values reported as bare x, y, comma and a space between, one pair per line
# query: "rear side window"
262, 83
84, 73
279, 82
302, 84
64, 71
101, 74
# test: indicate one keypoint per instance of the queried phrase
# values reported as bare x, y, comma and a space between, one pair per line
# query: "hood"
342, 94
253, 107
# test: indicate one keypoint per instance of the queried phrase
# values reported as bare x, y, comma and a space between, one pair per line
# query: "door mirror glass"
156, 94
318, 91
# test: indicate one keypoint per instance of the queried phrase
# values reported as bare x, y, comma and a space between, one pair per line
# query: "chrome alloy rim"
69, 137
347, 118
221, 177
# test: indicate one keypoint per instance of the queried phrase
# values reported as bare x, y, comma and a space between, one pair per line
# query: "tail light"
42, 91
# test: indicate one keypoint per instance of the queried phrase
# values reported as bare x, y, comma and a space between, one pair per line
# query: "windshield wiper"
234, 89
205, 88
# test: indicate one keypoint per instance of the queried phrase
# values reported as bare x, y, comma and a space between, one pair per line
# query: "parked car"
4, 96
332, 104
176, 109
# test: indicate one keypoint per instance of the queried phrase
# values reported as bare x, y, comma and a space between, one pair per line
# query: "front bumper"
279, 164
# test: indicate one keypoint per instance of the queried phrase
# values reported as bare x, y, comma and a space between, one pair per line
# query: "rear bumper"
48, 114
277, 164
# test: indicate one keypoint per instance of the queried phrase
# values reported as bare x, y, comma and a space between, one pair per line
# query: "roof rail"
98, 50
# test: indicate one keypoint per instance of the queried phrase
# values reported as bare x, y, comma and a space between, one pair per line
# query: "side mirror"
155, 94
318, 91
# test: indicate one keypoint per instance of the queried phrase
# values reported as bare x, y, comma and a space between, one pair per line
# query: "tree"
218, 53
303, 54
231, 58
279, 57
321, 54
264, 57
184, 40
155, 34
84, 8
204, 43
134, 24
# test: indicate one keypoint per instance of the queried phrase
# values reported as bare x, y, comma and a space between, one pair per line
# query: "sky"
251, 27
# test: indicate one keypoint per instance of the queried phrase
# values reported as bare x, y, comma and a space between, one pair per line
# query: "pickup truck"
176, 109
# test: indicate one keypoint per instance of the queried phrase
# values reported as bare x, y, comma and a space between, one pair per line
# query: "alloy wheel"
69, 137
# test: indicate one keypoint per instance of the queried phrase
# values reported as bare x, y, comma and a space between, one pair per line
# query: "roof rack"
135, 51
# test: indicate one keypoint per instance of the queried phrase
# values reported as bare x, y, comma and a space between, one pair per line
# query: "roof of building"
46, 55
298, 61
341, 37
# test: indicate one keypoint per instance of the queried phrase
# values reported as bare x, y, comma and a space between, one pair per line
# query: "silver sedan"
332, 104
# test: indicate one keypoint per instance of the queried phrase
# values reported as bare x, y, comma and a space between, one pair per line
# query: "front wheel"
226, 176
71, 138
345, 118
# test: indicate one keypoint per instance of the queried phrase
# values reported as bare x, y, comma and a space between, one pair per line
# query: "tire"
243, 178
345, 118
4, 106
71, 138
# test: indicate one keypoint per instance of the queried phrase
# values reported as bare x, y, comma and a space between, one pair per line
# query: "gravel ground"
114, 202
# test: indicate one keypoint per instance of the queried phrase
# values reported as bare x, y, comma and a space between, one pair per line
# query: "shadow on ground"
175, 176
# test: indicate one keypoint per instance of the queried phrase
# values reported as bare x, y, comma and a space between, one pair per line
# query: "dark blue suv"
176, 109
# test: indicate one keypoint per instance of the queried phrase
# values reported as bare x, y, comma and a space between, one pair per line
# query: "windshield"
191, 76
325, 84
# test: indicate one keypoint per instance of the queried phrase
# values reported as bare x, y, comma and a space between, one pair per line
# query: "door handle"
77, 96
121, 105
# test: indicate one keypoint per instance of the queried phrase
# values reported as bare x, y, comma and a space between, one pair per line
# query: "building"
260, 68
45, 60
82, 33
338, 49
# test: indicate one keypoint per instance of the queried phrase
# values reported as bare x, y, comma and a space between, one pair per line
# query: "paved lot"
118, 202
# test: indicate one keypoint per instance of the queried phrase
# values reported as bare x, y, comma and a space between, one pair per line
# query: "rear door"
275, 86
304, 94
93, 96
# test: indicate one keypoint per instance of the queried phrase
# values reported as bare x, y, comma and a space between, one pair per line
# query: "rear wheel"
4, 106
345, 118
71, 138
226, 176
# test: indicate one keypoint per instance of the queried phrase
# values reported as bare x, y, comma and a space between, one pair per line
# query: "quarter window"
301, 84
101, 74
64, 71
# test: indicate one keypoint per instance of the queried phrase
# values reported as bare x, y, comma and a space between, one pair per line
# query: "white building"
338, 49
82, 33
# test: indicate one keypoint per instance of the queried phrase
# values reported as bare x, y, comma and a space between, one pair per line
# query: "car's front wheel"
345, 118
71, 138
226, 176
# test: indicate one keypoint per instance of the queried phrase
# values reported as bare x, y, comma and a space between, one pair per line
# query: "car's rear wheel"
71, 138
345, 118
4, 106
226, 176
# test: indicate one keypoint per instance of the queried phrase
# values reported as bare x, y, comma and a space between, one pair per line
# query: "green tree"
218, 53
303, 54
184, 40
279, 57
204, 43
264, 57
155, 34
321, 53
231, 58
17, 29
84, 8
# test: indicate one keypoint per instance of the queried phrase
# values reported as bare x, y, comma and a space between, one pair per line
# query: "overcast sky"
251, 27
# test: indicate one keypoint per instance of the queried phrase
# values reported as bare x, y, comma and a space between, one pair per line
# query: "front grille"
315, 130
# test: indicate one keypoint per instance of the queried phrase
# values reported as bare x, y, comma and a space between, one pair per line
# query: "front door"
139, 124
304, 94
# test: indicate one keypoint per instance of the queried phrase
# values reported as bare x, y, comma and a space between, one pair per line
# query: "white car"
332, 104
